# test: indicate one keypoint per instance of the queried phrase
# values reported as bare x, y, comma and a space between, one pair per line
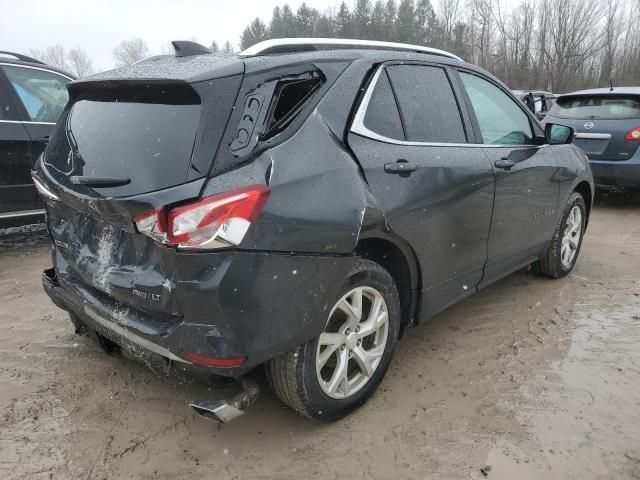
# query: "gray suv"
297, 206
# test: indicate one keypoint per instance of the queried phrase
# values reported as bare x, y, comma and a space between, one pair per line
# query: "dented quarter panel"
317, 200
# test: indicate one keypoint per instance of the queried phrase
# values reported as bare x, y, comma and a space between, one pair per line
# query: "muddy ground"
531, 378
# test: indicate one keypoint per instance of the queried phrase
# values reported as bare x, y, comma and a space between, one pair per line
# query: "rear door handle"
505, 164
400, 167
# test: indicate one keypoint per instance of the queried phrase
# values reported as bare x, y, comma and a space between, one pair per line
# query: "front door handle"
401, 167
505, 164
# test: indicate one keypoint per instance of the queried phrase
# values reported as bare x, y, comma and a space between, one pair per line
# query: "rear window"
597, 106
144, 134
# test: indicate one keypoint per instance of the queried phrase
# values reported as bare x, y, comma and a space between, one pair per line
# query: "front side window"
501, 120
43, 94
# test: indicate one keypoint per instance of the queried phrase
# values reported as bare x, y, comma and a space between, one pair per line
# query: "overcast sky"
98, 26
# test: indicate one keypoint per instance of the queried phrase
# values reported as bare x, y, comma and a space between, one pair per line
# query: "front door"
526, 177
435, 189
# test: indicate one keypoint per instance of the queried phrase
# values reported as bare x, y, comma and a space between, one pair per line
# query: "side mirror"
559, 134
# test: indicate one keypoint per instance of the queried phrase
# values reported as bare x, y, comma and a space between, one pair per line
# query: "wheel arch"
398, 258
584, 189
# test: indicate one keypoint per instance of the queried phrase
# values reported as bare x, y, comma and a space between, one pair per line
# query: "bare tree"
130, 51
449, 15
574, 39
54, 55
613, 30
80, 62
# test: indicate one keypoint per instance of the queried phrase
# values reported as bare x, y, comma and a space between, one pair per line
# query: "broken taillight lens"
153, 224
213, 222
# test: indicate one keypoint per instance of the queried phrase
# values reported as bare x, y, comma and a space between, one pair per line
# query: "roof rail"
22, 58
293, 45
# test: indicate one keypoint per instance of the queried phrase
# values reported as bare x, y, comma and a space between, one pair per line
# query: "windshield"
126, 136
597, 107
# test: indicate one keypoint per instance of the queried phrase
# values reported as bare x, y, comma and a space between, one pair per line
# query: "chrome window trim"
37, 68
27, 121
358, 127
594, 136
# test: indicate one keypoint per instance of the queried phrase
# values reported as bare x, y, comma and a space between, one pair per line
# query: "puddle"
583, 414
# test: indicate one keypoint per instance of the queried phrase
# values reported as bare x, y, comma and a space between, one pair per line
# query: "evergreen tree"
343, 22
390, 14
377, 28
306, 19
361, 19
405, 22
256, 32
277, 27
214, 47
426, 23
227, 48
288, 21
325, 27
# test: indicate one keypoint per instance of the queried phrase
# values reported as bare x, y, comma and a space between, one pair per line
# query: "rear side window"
145, 134
382, 113
501, 120
289, 98
597, 107
427, 104
43, 94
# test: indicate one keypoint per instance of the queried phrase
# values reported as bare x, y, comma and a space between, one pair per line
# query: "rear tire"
563, 250
332, 375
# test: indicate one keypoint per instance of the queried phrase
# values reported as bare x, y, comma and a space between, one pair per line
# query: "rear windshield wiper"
100, 182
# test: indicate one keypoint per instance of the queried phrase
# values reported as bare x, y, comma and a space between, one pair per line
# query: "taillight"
213, 222
633, 134
153, 224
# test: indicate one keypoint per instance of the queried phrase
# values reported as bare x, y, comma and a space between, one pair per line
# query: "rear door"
17, 194
434, 186
526, 188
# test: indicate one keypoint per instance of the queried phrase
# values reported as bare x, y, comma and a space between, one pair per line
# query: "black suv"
32, 97
297, 206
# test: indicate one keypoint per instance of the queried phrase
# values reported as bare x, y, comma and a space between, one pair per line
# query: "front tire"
332, 375
564, 247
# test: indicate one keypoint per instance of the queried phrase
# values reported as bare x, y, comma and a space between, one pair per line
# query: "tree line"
556, 45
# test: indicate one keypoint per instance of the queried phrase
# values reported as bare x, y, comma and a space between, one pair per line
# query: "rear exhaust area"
224, 411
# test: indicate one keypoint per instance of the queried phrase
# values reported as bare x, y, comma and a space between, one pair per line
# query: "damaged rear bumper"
234, 304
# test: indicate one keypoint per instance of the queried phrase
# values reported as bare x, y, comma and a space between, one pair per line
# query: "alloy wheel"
571, 237
353, 343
